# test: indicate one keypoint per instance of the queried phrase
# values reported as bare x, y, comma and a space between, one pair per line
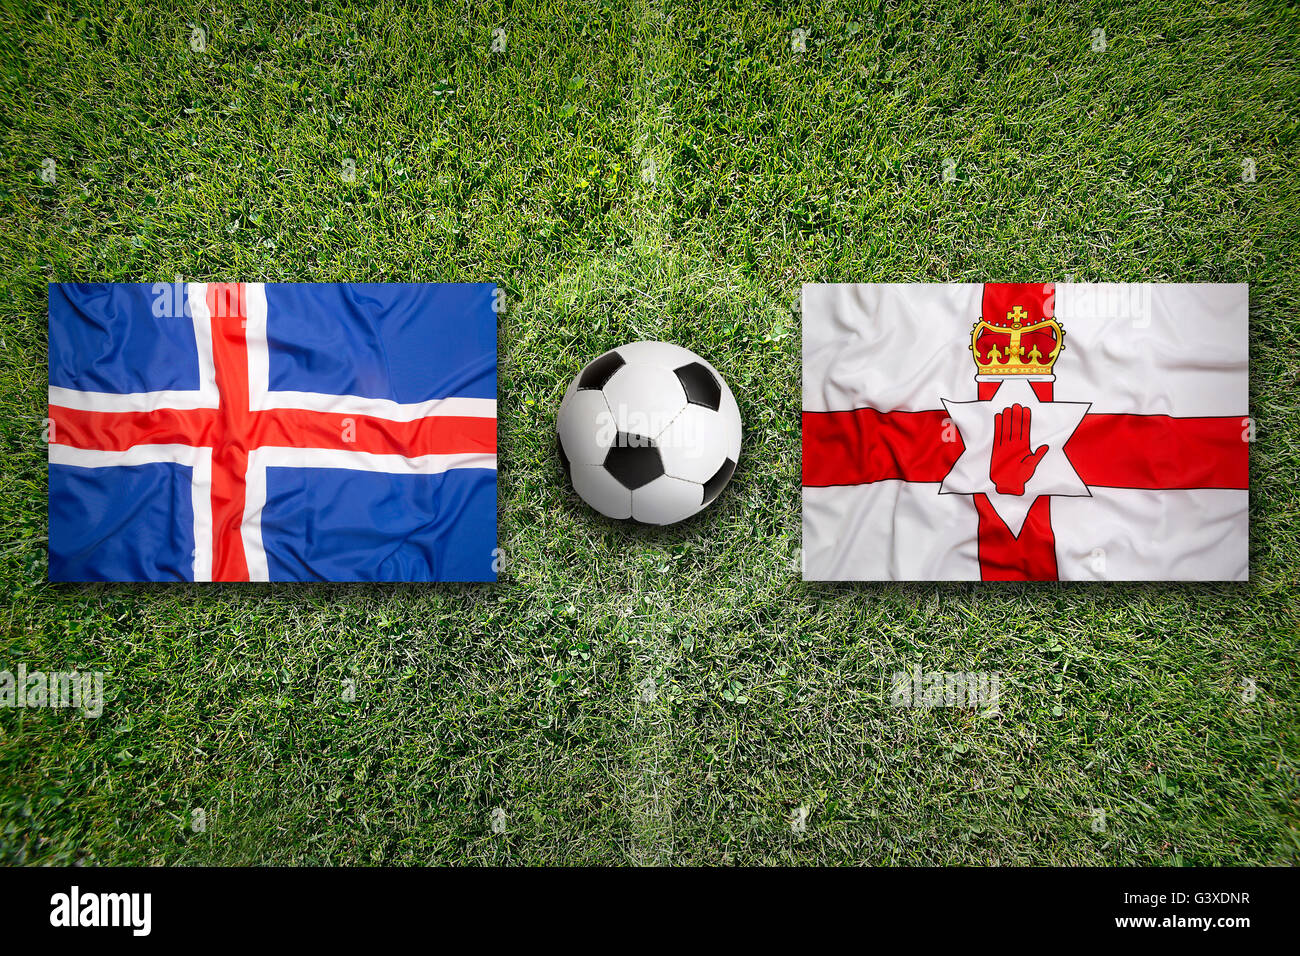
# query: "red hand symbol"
1012, 464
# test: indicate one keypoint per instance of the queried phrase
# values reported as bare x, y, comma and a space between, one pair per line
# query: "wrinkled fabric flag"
272, 432
1007, 431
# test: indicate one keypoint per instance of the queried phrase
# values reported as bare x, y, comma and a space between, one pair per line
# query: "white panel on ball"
586, 428
667, 500
657, 354
730, 413
644, 400
694, 446
602, 491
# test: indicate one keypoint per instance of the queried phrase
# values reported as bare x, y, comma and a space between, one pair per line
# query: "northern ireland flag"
1021, 432
272, 432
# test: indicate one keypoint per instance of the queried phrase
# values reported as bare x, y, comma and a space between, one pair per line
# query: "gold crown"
1013, 347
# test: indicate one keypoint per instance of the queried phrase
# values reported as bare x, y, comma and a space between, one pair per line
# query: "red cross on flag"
1025, 432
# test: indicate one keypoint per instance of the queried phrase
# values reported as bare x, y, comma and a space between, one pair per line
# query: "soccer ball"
649, 431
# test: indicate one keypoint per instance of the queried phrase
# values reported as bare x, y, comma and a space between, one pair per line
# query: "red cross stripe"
1151, 452
234, 429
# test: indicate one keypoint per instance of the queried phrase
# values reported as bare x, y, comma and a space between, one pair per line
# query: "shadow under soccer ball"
649, 432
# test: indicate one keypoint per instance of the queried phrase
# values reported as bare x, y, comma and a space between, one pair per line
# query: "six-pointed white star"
1051, 424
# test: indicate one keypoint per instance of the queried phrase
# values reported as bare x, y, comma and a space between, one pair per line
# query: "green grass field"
649, 170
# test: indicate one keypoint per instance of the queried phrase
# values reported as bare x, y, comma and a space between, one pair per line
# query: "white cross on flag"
1025, 431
